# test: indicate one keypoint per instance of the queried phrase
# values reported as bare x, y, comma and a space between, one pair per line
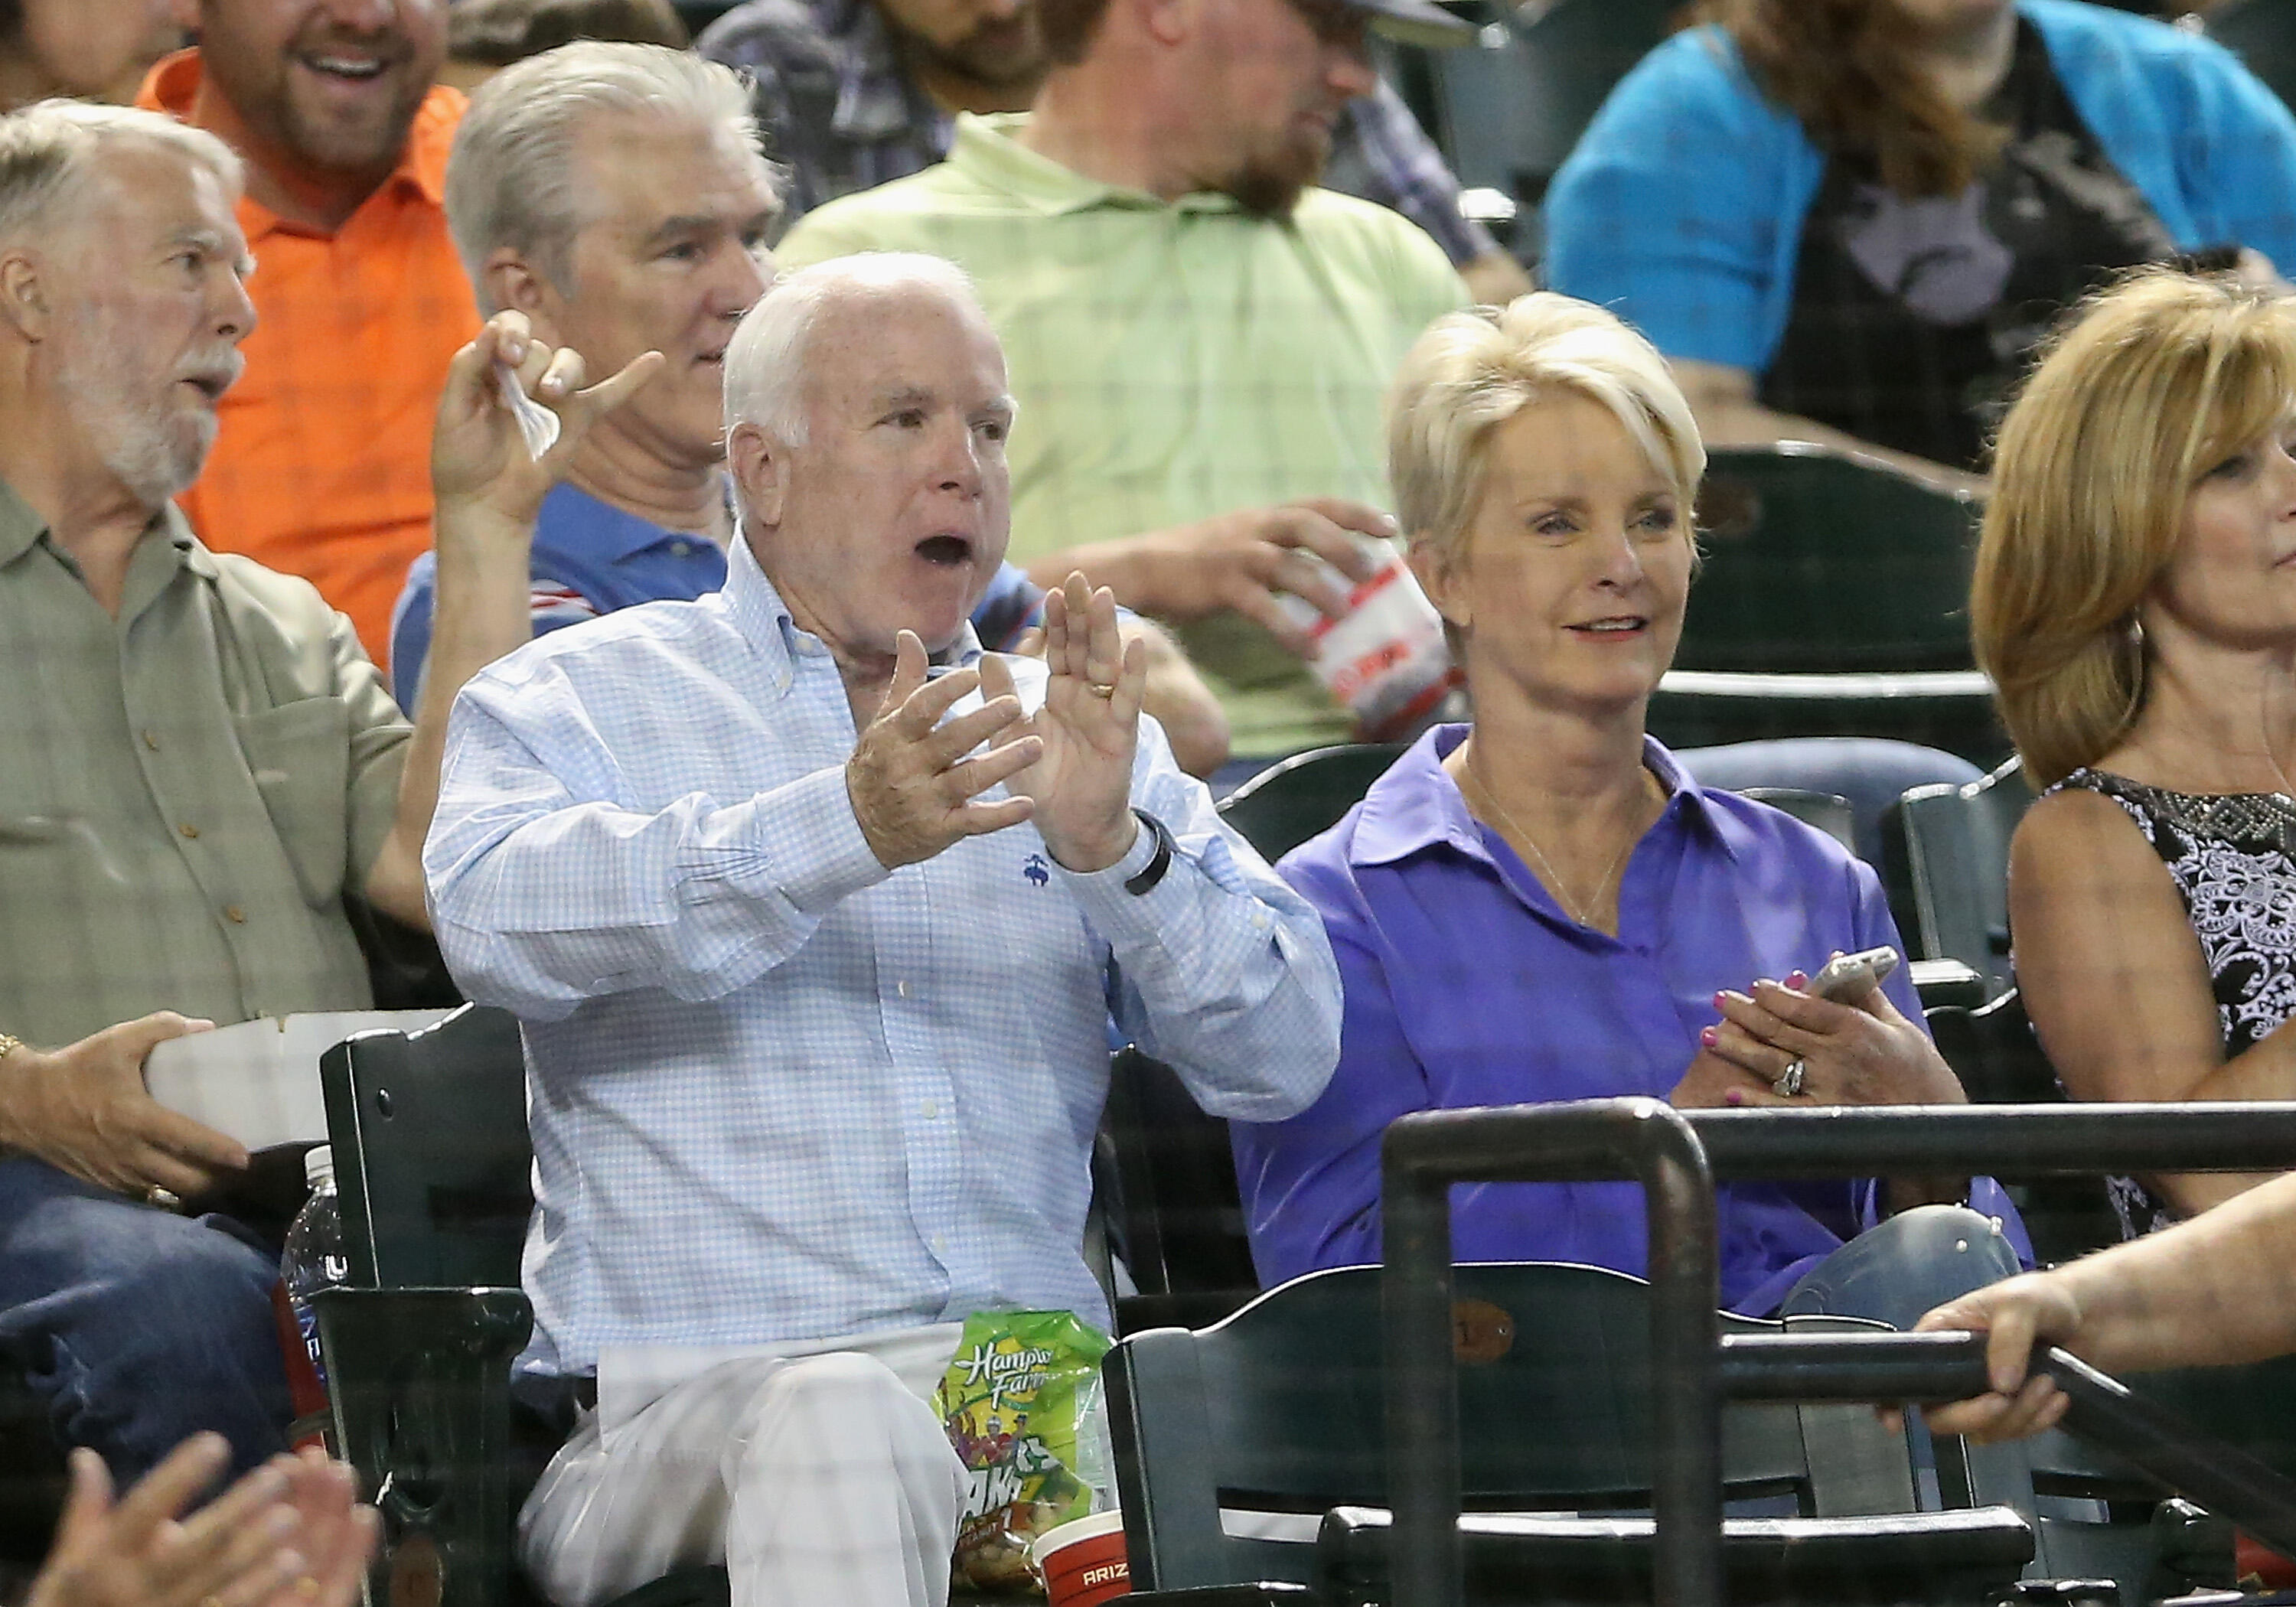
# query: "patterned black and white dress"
2233, 857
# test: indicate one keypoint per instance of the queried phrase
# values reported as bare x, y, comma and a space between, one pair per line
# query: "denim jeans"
138, 1327
1904, 1266
1900, 1269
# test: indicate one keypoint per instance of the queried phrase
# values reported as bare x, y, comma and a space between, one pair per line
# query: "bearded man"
203, 764
1200, 339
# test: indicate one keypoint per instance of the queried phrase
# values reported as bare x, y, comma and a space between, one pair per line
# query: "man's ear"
1438, 571
24, 295
760, 466
513, 283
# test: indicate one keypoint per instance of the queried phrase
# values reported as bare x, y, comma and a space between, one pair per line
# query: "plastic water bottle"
315, 1257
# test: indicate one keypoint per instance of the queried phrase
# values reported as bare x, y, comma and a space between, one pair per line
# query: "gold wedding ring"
1100, 691
165, 1200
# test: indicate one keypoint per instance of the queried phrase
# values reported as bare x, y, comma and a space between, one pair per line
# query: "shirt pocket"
298, 755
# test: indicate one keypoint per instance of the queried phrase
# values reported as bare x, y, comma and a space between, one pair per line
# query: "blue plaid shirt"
777, 1093
841, 115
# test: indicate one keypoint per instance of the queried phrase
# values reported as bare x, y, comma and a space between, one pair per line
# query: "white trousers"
819, 1478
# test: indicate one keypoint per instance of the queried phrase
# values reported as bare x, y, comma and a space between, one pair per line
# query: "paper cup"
1083, 1561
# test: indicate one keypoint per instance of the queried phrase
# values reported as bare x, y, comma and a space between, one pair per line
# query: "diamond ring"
1790, 1080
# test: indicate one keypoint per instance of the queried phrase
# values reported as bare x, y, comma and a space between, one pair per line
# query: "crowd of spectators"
965, 418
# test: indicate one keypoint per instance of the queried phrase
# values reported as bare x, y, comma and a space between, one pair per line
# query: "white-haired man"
204, 762
615, 194
815, 915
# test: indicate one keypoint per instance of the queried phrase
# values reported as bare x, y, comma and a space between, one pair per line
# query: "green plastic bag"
1022, 1404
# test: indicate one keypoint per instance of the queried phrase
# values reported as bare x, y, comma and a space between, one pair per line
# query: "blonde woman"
1545, 907
2136, 604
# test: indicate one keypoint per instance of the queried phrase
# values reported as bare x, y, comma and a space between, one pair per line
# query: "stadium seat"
1948, 847
1870, 773
431, 1161
1831, 602
1289, 802
1178, 1210
1509, 111
1278, 1409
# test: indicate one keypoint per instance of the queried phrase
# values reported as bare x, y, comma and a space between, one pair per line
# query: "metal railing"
1676, 1156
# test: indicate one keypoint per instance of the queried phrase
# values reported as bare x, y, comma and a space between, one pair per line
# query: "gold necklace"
1554, 879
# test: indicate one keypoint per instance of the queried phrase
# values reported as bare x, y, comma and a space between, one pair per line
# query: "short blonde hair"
1473, 371
2151, 384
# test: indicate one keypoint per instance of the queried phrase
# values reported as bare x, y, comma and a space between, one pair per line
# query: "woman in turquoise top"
1853, 219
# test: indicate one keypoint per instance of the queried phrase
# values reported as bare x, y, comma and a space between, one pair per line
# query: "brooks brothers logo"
1036, 870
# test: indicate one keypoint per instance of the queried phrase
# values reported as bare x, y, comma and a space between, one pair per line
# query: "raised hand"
478, 456
1081, 785
914, 791
288, 1535
83, 1109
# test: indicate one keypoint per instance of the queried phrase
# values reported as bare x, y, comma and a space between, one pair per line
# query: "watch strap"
1160, 861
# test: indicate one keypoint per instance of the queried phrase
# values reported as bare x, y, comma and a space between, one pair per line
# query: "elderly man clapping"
815, 914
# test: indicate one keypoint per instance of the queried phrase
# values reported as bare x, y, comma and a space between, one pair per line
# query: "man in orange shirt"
321, 467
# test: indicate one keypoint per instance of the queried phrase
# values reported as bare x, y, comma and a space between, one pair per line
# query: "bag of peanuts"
1022, 1404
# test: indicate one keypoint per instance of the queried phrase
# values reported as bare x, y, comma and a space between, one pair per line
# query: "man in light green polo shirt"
1200, 340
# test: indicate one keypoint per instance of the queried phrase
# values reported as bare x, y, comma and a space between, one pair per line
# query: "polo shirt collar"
989, 150
757, 609
1416, 805
583, 526
172, 86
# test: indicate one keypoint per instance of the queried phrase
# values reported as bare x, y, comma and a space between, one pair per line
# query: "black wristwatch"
1158, 863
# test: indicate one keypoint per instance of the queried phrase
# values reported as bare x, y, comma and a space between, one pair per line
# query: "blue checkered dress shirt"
775, 1092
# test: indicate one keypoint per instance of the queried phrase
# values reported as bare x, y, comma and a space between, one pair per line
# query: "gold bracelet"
9, 1045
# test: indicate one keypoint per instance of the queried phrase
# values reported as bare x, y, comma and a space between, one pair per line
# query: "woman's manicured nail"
1710, 1036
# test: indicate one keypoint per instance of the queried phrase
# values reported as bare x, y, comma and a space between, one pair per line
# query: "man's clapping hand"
290, 1534
1081, 784
914, 791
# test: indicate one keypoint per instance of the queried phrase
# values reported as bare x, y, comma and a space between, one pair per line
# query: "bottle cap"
319, 1165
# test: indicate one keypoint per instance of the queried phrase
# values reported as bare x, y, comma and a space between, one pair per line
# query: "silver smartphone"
1846, 977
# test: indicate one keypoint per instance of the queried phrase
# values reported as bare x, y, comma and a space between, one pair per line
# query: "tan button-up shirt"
185, 790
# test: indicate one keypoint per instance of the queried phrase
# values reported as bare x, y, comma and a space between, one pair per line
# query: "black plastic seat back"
433, 1161
1279, 1407
1950, 848
1818, 562
1993, 1050
1510, 110
1177, 1214
1286, 804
